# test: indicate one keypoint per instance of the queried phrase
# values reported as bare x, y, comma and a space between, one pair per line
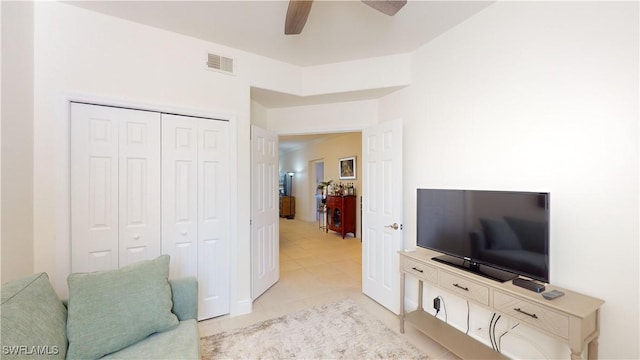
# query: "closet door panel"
115, 182
213, 218
139, 196
180, 194
94, 184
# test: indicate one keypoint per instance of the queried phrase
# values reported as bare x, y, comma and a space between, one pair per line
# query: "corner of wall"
17, 139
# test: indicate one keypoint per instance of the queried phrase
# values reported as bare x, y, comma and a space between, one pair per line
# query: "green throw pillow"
33, 320
110, 310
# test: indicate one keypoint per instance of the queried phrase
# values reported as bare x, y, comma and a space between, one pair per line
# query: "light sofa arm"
185, 298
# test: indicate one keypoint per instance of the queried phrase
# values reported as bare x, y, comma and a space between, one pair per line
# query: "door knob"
394, 226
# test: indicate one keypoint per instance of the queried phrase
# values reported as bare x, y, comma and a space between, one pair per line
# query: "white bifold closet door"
145, 183
115, 187
195, 206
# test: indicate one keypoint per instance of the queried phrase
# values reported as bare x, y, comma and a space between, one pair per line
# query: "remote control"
550, 295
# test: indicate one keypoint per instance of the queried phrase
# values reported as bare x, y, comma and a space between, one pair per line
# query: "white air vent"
220, 63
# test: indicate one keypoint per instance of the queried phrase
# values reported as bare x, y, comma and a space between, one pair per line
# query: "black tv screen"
498, 234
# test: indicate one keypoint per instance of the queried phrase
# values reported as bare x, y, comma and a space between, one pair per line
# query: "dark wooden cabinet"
341, 214
287, 206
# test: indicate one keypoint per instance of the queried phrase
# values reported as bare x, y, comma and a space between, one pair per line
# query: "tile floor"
316, 268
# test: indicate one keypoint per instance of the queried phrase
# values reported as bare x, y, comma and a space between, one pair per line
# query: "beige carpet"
339, 330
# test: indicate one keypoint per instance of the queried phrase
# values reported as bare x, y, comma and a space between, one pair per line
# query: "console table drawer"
464, 287
533, 314
421, 271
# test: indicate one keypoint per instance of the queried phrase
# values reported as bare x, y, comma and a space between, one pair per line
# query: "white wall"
259, 115
81, 52
336, 117
539, 96
521, 96
364, 74
17, 140
372, 73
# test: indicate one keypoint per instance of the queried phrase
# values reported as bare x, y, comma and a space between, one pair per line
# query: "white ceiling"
335, 31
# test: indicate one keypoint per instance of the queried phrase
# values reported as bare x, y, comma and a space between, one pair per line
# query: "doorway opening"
315, 159
317, 176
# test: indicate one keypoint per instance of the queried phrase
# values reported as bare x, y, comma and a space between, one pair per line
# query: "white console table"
573, 318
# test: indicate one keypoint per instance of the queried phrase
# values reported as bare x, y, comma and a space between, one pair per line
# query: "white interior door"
180, 194
115, 180
195, 203
94, 180
145, 183
265, 246
382, 213
139, 203
213, 218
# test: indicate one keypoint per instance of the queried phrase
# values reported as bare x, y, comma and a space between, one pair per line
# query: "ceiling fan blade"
388, 7
297, 14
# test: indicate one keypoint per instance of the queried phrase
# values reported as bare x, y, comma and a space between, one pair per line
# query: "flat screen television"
496, 234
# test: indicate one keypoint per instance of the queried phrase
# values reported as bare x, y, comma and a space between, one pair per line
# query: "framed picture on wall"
347, 169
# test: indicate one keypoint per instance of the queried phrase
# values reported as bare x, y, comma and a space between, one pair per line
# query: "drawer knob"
416, 269
526, 313
461, 287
